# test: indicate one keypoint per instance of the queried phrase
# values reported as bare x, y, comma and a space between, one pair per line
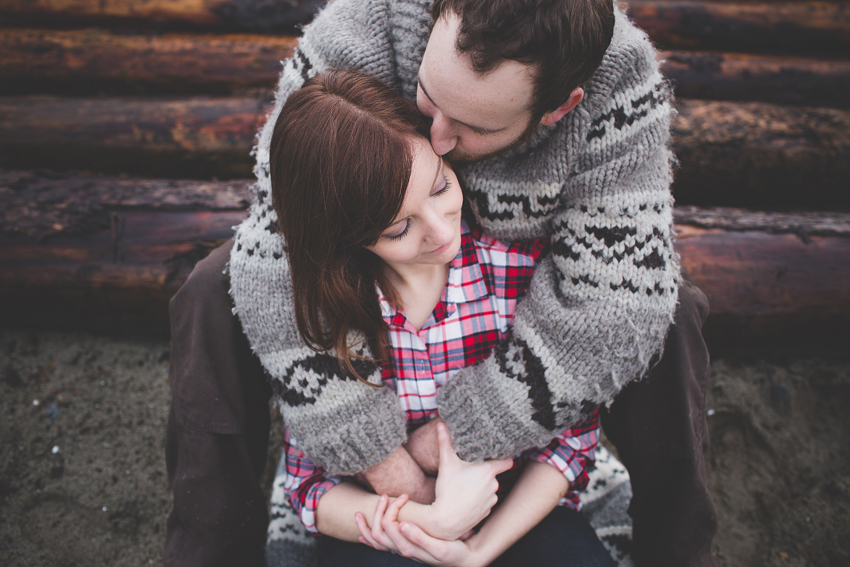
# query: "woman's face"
427, 229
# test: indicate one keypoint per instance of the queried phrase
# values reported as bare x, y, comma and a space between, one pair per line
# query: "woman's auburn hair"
340, 162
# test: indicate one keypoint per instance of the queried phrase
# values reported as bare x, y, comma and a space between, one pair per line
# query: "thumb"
502, 465
444, 440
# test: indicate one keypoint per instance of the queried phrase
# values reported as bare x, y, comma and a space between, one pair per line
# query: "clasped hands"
440, 533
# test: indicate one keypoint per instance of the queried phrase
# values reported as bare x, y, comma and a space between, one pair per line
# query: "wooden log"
93, 61
795, 28
40, 206
711, 75
811, 27
731, 154
256, 15
757, 155
164, 137
769, 289
97, 61
772, 277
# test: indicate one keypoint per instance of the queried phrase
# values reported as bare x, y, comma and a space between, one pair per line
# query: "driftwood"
731, 154
156, 137
797, 28
756, 155
257, 15
821, 28
766, 276
743, 77
766, 287
96, 61
93, 61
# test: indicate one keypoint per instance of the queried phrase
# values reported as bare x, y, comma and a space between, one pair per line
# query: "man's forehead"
464, 95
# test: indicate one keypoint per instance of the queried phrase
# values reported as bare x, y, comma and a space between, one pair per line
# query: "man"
557, 141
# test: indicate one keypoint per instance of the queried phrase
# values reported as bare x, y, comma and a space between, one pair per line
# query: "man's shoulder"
629, 62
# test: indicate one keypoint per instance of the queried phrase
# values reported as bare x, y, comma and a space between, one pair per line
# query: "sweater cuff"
346, 436
489, 418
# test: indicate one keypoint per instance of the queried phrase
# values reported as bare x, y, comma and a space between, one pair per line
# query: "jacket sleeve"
599, 306
218, 429
341, 424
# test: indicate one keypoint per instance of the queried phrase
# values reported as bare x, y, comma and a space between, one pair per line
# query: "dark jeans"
659, 427
563, 538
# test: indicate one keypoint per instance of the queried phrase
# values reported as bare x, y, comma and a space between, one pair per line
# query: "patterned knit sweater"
597, 182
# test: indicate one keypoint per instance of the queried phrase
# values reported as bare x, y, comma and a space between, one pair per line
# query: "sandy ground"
82, 473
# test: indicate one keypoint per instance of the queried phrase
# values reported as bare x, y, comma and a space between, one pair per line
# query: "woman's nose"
441, 228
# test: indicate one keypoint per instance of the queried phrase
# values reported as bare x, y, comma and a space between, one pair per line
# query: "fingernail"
441, 426
404, 528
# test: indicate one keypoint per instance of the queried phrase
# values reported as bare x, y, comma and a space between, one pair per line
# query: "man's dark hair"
563, 39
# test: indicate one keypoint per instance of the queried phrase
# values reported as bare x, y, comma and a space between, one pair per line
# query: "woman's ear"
554, 115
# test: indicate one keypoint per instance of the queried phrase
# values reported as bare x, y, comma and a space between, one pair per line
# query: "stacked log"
162, 95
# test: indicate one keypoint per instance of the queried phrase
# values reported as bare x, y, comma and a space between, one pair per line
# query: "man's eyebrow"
477, 129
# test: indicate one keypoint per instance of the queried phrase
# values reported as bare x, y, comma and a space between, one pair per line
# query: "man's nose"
443, 139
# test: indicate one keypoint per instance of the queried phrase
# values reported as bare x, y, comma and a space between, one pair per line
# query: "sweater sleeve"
343, 425
599, 306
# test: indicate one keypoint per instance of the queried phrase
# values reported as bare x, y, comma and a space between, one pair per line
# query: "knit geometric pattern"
597, 182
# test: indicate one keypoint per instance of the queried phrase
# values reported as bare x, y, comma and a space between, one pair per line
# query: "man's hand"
423, 446
466, 492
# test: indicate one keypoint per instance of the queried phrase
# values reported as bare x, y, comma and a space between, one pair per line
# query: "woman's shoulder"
508, 253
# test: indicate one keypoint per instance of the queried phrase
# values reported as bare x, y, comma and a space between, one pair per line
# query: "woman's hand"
408, 540
465, 492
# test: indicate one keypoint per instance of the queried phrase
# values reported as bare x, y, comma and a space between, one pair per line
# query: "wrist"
480, 554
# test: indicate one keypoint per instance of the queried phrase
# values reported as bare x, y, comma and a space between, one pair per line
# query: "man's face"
473, 117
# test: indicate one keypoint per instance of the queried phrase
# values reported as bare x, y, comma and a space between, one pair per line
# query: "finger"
379, 515
447, 452
365, 535
391, 516
502, 465
422, 541
401, 543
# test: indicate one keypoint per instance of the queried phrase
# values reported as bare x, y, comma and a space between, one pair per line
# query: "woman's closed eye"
399, 234
446, 186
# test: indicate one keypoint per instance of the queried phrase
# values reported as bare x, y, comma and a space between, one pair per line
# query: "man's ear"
554, 115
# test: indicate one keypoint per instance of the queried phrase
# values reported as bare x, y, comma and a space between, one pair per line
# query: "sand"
82, 474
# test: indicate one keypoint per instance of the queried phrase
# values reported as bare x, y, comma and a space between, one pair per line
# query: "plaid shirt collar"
465, 284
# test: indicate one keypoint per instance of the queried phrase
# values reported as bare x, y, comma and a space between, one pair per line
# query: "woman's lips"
442, 248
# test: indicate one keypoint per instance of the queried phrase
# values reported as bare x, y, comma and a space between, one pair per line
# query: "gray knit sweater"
597, 182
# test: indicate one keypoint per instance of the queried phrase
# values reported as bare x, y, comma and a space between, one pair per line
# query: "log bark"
255, 15
794, 28
731, 154
757, 155
769, 288
812, 27
93, 61
156, 137
767, 276
97, 61
710, 75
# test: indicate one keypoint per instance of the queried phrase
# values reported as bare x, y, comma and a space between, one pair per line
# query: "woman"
379, 254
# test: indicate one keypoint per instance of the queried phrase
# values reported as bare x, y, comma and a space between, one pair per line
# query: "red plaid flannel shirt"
486, 280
